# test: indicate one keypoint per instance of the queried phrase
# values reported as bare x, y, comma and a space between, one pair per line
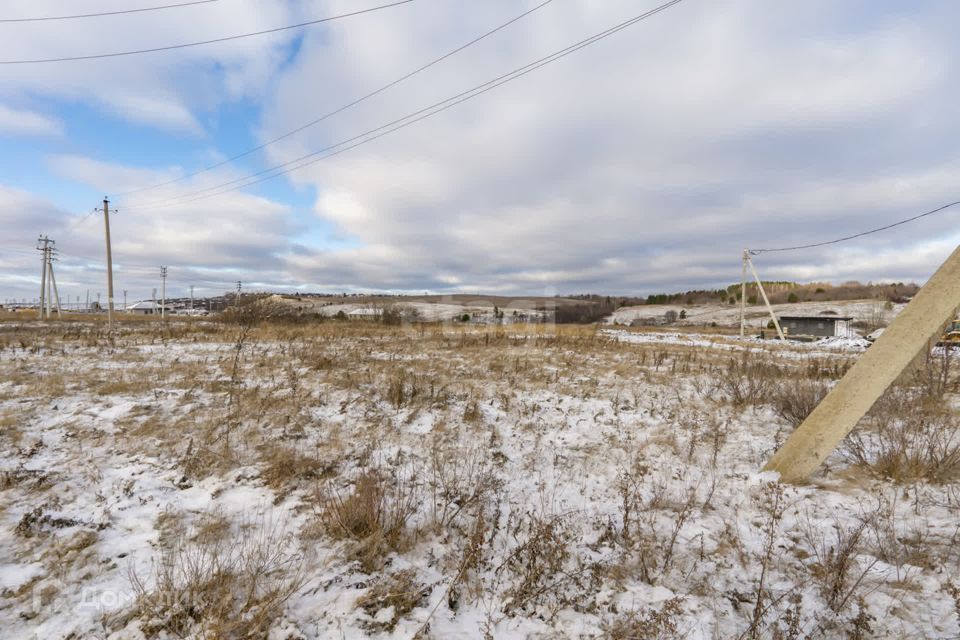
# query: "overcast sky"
643, 163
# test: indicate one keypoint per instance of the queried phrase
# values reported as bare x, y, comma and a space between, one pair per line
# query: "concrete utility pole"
45, 248
124, 300
766, 301
191, 297
163, 293
51, 252
879, 366
743, 293
106, 227
87, 310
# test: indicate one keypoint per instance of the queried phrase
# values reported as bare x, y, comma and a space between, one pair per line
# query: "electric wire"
108, 13
344, 107
856, 235
205, 42
400, 123
70, 260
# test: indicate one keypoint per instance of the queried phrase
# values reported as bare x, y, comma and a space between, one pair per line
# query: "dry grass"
286, 468
908, 436
394, 594
795, 399
748, 380
219, 587
373, 513
836, 566
647, 624
479, 434
10, 422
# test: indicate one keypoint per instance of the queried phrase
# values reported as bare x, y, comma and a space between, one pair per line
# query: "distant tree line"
587, 308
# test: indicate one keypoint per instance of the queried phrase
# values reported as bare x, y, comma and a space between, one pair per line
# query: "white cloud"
162, 113
645, 162
665, 148
28, 123
165, 90
209, 244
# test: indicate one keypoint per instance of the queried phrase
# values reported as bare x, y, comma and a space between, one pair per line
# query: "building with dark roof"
820, 326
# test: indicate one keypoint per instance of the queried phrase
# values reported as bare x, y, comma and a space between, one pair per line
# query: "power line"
344, 107
400, 123
108, 13
856, 235
204, 42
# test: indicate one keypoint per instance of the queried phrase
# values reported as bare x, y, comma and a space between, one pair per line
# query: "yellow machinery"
951, 336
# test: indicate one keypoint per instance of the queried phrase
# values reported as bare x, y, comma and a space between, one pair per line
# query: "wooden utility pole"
106, 228
880, 365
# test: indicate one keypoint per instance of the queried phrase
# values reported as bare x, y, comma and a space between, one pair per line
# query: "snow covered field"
728, 315
350, 480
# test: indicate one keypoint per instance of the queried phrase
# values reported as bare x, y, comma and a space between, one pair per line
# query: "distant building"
819, 326
368, 313
145, 308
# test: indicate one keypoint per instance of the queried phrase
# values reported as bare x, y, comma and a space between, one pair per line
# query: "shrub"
540, 563
795, 399
392, 316
747, 380
253, 310
230, 588
907, 439
652, 520
373, 514
460, 479
836, 568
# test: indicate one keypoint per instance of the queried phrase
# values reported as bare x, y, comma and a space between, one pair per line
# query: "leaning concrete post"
877, 368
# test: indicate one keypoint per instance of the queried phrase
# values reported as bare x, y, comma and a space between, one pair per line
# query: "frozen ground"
354, 481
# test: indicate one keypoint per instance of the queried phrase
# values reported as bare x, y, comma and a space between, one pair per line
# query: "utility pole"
163, 293
43, 277
766, 301
124, 300
51, 252
106, 227
191, 297
743, 293
87, 310
879, 367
